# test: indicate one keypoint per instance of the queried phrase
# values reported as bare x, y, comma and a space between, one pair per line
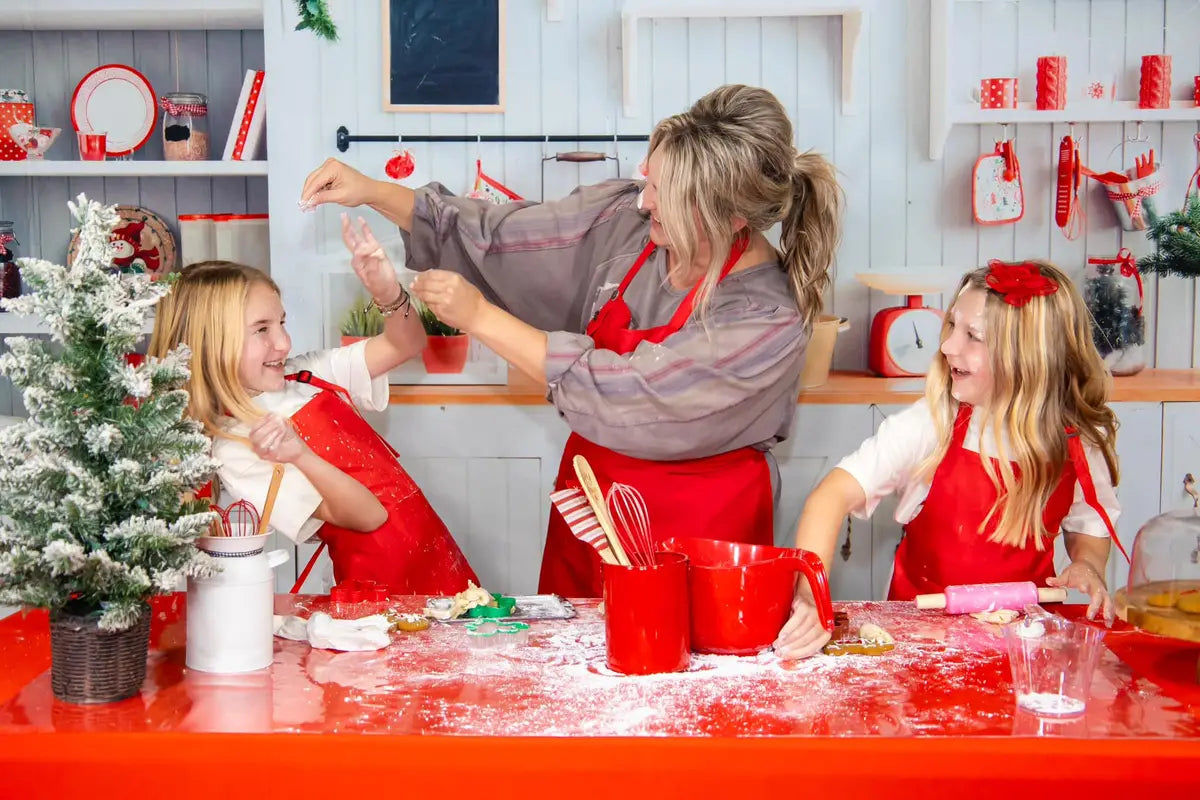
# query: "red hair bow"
1019, 283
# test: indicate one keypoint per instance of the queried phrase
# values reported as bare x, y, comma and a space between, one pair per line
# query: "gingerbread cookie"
1189, 602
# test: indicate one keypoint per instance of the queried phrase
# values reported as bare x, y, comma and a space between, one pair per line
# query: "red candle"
1052, 83
1155, 90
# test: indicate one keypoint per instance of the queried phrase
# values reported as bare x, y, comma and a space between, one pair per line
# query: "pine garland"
314, 16
1177, 243
92, 515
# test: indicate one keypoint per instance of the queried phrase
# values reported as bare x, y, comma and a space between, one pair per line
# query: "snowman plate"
141, 243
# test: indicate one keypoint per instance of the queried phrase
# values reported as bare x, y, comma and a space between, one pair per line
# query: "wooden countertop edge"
843, 388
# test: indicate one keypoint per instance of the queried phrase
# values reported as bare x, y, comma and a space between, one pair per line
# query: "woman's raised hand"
334, 182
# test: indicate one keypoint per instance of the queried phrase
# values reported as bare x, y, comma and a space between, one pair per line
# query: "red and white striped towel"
573, 505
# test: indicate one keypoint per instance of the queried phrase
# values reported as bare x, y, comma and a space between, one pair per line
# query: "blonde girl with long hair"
1013, 444
341, 484
668, 330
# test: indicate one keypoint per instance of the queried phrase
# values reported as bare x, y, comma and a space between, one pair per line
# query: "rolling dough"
1001, 616
870, 633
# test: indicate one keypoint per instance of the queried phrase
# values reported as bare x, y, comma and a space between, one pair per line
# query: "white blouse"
245, 476
887, 463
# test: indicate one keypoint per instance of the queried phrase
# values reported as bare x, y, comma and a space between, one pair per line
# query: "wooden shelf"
843, 388
133, 15
46, 168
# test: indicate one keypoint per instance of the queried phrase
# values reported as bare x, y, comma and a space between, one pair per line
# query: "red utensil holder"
646, 620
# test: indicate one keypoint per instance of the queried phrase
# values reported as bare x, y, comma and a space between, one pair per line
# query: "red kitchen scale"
904, 339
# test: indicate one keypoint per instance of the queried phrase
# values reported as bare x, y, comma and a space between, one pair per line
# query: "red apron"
725, 496
943, 544
412, 552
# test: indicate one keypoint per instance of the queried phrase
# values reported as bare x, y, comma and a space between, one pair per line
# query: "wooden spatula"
272, 490
591, 488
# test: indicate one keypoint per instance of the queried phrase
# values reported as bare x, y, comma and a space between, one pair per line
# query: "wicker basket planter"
89, 665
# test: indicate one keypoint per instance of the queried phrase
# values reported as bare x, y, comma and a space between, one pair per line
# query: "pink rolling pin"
973, 597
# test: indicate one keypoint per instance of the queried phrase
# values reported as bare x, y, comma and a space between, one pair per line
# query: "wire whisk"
628, 510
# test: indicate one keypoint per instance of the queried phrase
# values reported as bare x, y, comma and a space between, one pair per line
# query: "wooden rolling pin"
969, 598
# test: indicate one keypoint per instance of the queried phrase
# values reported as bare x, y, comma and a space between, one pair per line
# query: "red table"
429, 717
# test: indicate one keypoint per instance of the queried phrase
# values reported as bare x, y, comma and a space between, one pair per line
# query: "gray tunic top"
720, 383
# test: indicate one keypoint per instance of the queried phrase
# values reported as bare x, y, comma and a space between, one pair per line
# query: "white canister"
243, 239
230, 616
197, 241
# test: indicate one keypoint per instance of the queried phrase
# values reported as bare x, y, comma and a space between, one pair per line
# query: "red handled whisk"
240, 518
628, 510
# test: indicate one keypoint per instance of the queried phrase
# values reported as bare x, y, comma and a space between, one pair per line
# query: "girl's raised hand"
370, 262
450, 297
273, 439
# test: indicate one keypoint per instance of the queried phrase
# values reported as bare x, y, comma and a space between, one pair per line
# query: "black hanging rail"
344, 139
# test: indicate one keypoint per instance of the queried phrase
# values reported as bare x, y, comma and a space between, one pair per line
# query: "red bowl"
741, 594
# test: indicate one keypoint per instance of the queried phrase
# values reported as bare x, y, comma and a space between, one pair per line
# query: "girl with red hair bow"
1013, 444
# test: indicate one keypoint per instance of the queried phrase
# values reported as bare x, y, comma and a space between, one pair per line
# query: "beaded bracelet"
404, 301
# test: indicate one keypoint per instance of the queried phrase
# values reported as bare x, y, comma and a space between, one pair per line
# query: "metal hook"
1071, 130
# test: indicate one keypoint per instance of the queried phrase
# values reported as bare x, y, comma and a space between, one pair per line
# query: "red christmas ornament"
400, 165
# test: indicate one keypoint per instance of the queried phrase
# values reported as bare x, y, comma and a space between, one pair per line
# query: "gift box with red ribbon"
1052, 83
1155, 88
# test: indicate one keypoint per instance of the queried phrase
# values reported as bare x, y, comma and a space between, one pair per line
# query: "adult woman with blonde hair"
1013, 443
669, 330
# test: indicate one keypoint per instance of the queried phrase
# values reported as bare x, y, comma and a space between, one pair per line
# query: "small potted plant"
445, 347
361, 321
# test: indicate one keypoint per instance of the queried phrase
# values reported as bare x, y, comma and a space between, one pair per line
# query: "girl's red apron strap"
1084, 475
305, 376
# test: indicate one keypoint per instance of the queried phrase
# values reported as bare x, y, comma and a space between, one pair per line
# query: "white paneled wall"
904, 211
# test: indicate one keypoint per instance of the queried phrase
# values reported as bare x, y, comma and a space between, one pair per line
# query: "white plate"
117, 100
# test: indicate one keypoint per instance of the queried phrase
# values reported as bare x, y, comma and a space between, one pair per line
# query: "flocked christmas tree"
92, 485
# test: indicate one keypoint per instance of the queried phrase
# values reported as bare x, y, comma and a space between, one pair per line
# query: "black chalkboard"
444, 55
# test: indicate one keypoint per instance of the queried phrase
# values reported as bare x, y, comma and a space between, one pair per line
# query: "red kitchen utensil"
646, 616
741, 594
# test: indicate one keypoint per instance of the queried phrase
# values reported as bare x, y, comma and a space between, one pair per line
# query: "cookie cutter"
485, 634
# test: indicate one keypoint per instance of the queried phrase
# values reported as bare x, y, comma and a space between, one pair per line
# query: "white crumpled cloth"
326, 633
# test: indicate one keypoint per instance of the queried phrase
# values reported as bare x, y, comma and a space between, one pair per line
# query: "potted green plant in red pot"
361, 321
446, 347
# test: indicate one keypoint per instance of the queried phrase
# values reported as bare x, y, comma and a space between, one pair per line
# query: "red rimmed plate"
117, 100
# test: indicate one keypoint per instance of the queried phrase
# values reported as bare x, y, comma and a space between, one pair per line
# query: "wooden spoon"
591, 488
276, 477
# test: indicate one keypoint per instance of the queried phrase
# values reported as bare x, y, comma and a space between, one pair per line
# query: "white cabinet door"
822, 435
1180, 453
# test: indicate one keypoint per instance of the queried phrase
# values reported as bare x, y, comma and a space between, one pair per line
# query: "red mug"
1196, 91
998, 93
646, 620
92, 146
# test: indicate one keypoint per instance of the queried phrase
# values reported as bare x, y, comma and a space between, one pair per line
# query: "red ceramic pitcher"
741, 594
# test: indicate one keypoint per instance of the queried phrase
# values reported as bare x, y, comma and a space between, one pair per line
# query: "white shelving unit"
133, 15
130, 169
632, 11
943, 115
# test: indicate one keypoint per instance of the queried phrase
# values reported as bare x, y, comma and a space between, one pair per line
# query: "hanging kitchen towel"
996, 193
490, 189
